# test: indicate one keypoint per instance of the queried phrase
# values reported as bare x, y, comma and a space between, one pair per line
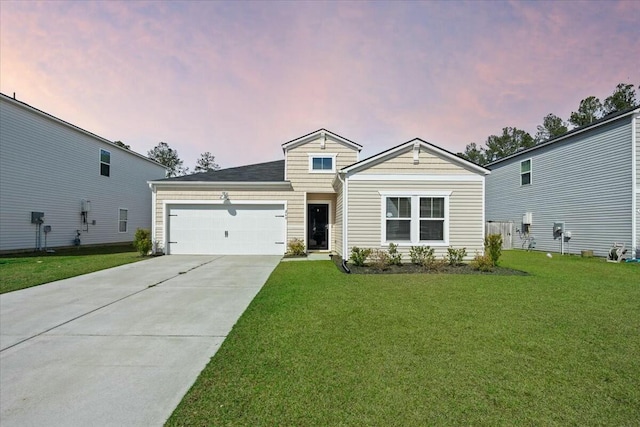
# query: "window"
431, 219
416, 218
123, 215
105, 163
399, 219
525, 172
322, 163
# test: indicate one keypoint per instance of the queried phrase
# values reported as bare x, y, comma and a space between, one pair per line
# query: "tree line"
513, 139
168, 157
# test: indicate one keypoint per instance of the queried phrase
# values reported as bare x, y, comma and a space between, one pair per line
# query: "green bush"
422, 255
296, 247
395, 257
456, 256
380, 259
359, 256
493, 247
482, 262
142, 241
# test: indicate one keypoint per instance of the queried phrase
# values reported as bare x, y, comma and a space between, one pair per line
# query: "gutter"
345, 216
634, 185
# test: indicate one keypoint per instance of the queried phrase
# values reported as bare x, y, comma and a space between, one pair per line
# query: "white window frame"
126, 221
105, 163
523, 173
332, 156
415, 197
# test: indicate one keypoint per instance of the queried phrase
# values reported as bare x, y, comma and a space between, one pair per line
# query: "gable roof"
259, 172
393, 151
600, 122
317, 134
55, 119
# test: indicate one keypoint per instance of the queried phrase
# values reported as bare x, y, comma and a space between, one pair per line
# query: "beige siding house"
413, 194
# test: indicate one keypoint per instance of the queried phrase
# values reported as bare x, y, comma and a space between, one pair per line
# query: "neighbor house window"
525, 172
105, 163
123, 217
420, 218
322, 163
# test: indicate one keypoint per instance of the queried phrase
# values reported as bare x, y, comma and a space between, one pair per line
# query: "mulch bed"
417, 269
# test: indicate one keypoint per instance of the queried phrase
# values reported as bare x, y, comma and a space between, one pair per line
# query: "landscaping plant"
359, 256
422, 255
456, 256
380, 259
395, 257
482, 262
142, 241
493, 247
296, 247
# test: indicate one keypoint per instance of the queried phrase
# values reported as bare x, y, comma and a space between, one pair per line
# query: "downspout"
345, 216
634, 186
153, 218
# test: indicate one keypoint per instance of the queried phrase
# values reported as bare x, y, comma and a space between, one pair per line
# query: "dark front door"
318, 226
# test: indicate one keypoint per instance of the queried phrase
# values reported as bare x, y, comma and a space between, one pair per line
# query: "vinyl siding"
429, 163
295, 205
50, 167
583, 181
297, 159
465, 212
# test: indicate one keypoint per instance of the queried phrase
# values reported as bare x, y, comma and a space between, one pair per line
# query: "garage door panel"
227, 229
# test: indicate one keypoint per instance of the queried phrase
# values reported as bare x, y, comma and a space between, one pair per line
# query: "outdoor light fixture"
224, 196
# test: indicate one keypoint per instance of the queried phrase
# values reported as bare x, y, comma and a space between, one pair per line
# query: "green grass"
35, 268
319, 347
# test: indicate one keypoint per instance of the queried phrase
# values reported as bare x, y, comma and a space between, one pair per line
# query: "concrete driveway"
119, 346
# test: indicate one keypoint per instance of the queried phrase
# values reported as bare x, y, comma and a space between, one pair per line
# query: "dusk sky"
238, 79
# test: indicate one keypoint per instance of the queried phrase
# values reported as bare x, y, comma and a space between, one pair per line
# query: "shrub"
455, 256
395, 257
482, 262
142, 241
422, 255
296, 247
493, 247
380, 259
359, 256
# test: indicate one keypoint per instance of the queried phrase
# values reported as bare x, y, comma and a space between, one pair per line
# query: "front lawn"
35, 268
319, 347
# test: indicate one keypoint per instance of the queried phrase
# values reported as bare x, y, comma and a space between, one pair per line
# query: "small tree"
168, 157
206, 162
142, 241
493, 247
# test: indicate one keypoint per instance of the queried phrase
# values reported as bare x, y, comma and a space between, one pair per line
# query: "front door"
318, 226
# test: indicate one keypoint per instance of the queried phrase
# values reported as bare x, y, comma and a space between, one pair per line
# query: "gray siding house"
58, 180
587, 180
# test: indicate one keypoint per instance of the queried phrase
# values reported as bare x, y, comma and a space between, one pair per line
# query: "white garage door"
227, 229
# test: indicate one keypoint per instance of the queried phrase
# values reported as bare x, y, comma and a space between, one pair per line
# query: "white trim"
634, 185
225, 184
330, 218
316, 135
483, 214
530, 160
419, 193
427, 146
166, 203
417, 177
331, 156
304, 222
345, 216
415, 217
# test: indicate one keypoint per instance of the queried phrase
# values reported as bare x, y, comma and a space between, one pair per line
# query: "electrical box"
558, 227
527, 218
47, 229
85, 205
37, 217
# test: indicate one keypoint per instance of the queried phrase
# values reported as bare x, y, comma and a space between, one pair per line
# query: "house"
579, 191
61, 184
412, 194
